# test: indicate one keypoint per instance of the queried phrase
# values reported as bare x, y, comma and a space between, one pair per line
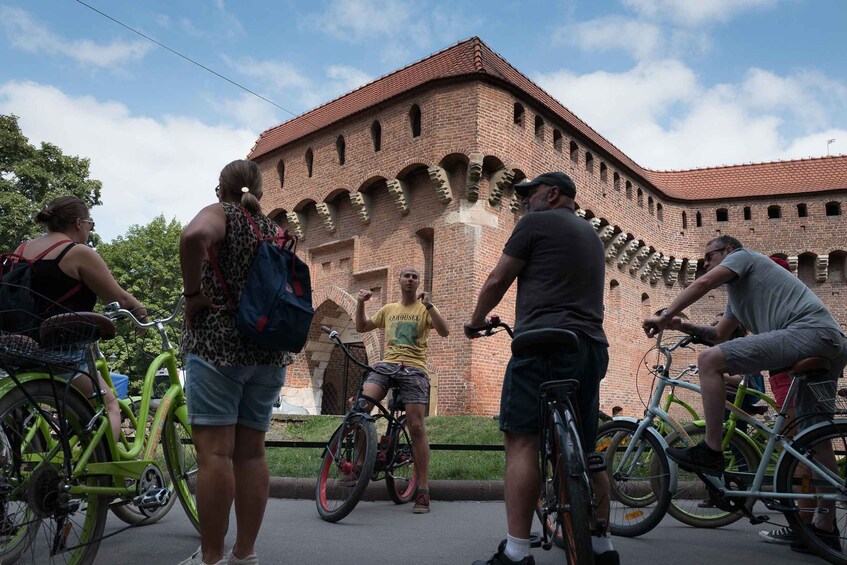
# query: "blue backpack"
275, 310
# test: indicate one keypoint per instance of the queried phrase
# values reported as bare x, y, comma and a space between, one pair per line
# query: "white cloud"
695, 12
642, 39
26, 34
660, 114
148, 166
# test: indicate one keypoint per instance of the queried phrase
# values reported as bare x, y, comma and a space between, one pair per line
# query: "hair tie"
245, 190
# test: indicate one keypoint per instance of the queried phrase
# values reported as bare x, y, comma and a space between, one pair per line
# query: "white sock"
516, 548
601, 544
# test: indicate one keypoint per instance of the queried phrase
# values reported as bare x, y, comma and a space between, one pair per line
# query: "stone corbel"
615, 245
515, 203
361, 203
439, 178
660, 267
297, 223
651, 261
673, 273
580, 213
627, 252
642, 254
474, 174
793, 262
606, 232
327, 214
690, 271
821, 267
398, 190
595, 223
500, 181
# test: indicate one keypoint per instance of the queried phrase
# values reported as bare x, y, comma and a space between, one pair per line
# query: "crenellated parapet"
649, 264
296, 223
327, 214
595, 223
474, 176
615, 246
627, 252
580, 213
515, 203
439, 178
398, 190
821, 267
500, 182
361, 203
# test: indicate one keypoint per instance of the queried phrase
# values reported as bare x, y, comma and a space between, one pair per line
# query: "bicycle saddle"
75, 328
544, 340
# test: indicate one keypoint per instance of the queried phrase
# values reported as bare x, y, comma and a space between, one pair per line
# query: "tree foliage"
145, 262
32, 176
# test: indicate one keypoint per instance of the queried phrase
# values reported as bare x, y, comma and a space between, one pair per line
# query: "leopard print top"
214, 337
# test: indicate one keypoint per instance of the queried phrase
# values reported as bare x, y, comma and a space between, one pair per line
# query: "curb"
298, 488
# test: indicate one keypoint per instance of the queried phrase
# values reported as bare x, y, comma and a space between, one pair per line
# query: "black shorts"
519, 405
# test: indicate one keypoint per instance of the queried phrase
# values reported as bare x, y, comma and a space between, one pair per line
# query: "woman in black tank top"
73, 275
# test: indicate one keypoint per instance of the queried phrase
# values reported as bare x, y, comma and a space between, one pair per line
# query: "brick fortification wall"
442, 200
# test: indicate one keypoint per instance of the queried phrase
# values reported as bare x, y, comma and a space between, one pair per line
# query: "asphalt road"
454, 532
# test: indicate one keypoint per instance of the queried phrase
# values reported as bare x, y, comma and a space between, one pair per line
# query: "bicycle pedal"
154, 498
761, 519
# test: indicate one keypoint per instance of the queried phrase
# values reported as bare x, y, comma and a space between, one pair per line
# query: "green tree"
145, 262
32, 176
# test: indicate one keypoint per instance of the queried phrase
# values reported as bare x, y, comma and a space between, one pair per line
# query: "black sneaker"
500, 558
700, 458
611, 557
831, 539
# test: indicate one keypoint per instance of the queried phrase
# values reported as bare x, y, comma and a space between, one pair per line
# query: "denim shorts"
779, 350
519, 402
414, 382
223, 396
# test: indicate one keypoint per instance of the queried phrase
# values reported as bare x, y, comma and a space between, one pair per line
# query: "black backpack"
21, 308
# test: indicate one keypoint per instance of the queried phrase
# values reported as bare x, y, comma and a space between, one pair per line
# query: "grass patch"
468, 465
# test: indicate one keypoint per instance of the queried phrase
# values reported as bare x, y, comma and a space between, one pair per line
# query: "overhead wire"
187, 58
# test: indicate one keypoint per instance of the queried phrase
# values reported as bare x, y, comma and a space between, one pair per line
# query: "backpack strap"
59, 257
51, 248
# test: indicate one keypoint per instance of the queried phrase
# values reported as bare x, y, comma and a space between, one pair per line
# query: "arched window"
802, 210
833, 208
415, 120
747, 214
604, 172
376, 135
659, 212
557, 140
646, 308
614, 297
589, 162
640, 197
806, 270
699, 219
309, 161
574, 152
836, 267
280, 172
629, 190
774, 212
341, 149
616, 180
684, 221
650, 204
722, 215
519, 114
539, 127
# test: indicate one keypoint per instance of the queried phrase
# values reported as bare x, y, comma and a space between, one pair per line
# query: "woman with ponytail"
230, 382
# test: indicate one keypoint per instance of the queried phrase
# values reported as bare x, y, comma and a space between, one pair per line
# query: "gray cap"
561, 180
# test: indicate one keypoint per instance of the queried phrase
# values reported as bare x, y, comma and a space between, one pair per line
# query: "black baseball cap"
561, 180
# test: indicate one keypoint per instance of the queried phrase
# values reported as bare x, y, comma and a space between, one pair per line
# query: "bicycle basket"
830, 398
51, 336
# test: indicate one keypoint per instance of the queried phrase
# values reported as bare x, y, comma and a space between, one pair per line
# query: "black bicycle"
354, 457
566, 502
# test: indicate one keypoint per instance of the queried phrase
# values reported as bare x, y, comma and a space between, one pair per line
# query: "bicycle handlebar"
489, 329
336, 337
114, 312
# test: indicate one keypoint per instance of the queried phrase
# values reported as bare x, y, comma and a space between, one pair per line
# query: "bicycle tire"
572, 492
31, 484
836, 434
181, 460
337, 496
690, 504
128, 512
401, 477
639, 483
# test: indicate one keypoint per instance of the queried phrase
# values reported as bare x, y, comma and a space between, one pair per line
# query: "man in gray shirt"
788, 323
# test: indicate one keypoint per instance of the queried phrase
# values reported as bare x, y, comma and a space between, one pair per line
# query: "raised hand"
364, 295
424, 297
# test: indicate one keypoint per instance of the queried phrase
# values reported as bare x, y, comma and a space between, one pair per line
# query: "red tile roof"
473, 58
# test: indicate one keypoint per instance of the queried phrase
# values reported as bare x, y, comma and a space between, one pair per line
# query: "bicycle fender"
661, 439
796, 440
6, 383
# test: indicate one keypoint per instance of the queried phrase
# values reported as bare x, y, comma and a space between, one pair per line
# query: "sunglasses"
90, 223
708, 256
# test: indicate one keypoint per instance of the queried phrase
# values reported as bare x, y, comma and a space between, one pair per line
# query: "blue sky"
673, 83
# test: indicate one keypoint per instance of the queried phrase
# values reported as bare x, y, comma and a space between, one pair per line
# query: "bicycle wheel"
639, 477
401, 477
181, 459
346, 469
690, 503
39, 517
572, 492
791, 475
128, 512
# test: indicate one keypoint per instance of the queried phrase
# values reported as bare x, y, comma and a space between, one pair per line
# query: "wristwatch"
429, 306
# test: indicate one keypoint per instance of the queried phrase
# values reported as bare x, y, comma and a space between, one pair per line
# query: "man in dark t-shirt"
558, 261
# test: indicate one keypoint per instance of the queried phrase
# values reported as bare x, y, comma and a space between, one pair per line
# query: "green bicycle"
60, 465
